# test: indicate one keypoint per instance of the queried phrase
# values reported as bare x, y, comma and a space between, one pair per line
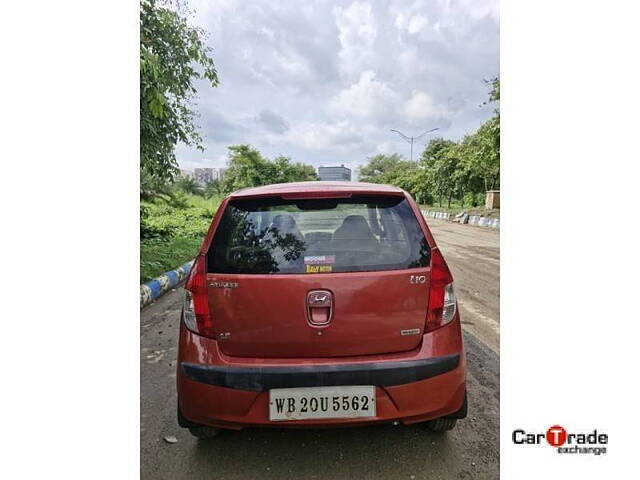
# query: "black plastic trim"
383, 374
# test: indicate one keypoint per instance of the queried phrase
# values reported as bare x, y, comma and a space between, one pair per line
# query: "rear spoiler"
318, 194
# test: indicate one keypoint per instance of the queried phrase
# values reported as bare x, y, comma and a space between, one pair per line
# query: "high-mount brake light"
314, 195
197, 317
442, 298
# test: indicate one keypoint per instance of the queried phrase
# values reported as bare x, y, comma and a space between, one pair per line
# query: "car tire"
204, 433
441, 424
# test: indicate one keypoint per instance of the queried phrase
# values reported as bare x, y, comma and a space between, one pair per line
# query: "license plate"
322, 402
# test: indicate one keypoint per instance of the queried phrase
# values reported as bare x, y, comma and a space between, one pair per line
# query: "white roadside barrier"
154, 289
463, 218
432, 214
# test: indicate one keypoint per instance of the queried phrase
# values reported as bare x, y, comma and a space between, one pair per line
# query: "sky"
324, 82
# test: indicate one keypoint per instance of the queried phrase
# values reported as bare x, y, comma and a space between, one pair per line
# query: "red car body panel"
269, 314
232, 408
265, 314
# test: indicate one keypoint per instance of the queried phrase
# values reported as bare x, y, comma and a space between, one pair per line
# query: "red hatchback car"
319, 304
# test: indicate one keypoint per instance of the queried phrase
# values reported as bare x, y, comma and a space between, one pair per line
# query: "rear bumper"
411, 387
382, 374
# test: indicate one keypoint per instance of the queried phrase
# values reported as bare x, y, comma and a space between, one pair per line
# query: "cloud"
357, 34
411, 23
272, 121
217, 127
384, 147
325, 136
367, 99
417, 23
323, 81
421, 106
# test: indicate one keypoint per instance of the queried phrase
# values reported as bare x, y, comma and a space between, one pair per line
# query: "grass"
174, 233
159, 256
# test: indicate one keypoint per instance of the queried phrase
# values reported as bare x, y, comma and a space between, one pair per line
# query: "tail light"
442, 298
197, 317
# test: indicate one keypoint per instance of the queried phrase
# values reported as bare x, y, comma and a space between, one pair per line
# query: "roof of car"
317, 186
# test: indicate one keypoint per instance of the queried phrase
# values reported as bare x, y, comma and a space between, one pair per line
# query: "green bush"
170, 235
473, 200
158, 256
470, 200
179, 200
147, 229
424, 198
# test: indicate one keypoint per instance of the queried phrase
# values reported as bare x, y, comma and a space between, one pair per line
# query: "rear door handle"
319, 307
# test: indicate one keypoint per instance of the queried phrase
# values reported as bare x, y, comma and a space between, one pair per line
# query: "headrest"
284, 223
354, 227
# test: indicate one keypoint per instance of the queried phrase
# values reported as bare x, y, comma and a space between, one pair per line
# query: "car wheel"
441, 424
204, 433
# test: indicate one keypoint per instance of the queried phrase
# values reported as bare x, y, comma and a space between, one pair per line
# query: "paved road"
380, 452
473, 254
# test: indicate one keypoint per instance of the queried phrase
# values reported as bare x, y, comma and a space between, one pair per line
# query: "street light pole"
411, 154
410, 140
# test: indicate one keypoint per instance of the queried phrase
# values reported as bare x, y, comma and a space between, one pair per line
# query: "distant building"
186, 173
205, 175
340, 173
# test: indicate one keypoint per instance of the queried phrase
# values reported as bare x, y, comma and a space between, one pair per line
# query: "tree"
286, 171
467, 178
152, 188
437, 163
469, 167
444, 175
213, 188
393, 169
494, 91
173, 55
447, 169
483, 153
486, 155
248, 168
434, 151
381, 168
189, 185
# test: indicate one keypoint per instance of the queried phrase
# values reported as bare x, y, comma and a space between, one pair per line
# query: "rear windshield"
272, 235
